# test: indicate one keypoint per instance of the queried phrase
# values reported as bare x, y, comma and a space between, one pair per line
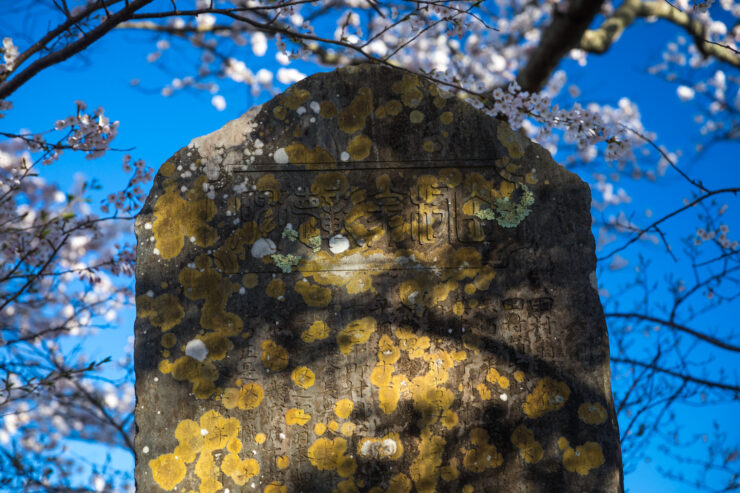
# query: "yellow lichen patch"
332, 269
468, 488
416, 116
583, 458
303, 377
270, 186
167, 169
279, 112
388, 352
529, 448
494, 377
388, 447
451, 177
163, 312
316, 158
483, 280
316, 296
218, 430
176, 218
458, 308
234, 446
343, 408
294, 416
450, 472
389, 395
519, 376
250, 280
327, 455
190, 440
276, 288
228, 255
165, 366
282, 461
247, 397
428, 145
548, 395
347, 429
446, 118
260, 438
426, 470
169, 340
333, 425
207, 470
391, 108
217, 344
592, 413
400, 483
167, 470
293, 98
411, 343
352, 118
347, 486
449, 419
359, 147
484, 392
201, 375
330, 186
319, 428
274, 357
511, 140
327, 109
356, 332
466, 263
425, 291
483, 455
240, 471
430, 398
215, 290
276, 486
318, 331
408, 88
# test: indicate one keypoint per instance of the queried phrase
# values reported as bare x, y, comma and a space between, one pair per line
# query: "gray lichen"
509, 214
286, 262
290, 233
315, 243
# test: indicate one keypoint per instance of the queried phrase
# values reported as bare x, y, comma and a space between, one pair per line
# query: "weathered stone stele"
368, 285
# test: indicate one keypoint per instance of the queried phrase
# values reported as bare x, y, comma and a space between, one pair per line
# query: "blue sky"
156, 127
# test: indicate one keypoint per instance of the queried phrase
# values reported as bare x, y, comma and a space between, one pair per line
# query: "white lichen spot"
281, 157
338, 244
282, 436
150, 293
155, 251
203, 431
145, 449
592, 279
242, 290
196, 350
148, 226
344, 156
388, 447
301, 110
212, 170
504, 397
263, 247
315, 106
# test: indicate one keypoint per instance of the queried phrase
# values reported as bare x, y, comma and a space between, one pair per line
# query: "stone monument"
367, 285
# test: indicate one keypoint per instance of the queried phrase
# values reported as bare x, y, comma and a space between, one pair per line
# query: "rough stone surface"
367, 285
